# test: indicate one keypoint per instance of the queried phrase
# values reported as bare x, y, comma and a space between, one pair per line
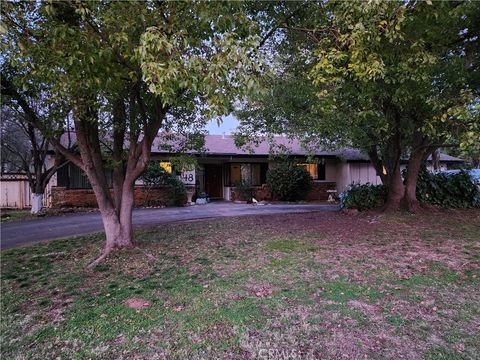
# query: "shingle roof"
225, 145
219, 145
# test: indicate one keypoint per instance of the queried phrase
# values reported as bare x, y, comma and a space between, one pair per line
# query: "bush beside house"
363, 196
458, 190
243, 191
289, 182
448, 190
156, 177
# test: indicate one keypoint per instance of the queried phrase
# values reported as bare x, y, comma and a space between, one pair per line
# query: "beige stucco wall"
14, 194
331, 170
358, 173
362, 173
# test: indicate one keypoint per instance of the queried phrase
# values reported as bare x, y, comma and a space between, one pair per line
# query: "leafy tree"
128, 70
25, 150
395, 79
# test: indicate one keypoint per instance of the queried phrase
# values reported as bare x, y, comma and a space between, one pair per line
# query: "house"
222, 165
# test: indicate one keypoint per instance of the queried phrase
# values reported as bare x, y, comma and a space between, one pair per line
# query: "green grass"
226, 288
290, 246
15, 215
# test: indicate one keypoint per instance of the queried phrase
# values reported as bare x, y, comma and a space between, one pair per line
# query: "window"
167, 166
317, 171
72, 177
255, 174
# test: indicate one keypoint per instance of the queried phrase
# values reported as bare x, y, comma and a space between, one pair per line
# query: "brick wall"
62, 197
259, 192
318, 192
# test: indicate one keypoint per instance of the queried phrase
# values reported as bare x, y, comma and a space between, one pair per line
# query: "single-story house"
222, 164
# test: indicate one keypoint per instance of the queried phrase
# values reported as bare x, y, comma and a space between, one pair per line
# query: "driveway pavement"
32, 231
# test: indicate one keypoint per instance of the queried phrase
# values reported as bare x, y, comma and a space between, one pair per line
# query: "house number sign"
188, 177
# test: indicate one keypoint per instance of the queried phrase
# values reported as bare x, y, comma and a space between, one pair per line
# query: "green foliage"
363, 196
244, 190
180, 63
448, 190
155, 176
386, 77
289, 182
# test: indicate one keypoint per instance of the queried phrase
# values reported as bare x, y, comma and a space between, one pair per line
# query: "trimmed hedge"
289, 182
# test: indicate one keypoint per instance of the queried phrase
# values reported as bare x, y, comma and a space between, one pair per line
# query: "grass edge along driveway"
318, 285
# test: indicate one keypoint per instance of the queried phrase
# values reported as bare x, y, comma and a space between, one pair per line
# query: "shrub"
244, 190
289, 182
156, 176
448, 190
363, 197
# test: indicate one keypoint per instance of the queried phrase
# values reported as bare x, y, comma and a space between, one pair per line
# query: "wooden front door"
213, 181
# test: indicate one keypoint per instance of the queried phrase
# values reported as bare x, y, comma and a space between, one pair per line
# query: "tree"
395, 79
25, 149
130, 69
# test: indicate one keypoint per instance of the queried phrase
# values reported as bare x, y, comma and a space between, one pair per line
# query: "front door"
213, 181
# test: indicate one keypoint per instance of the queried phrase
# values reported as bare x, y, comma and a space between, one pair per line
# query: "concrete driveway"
32, 231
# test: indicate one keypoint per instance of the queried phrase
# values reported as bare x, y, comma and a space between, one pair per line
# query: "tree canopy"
129, 70
395, 79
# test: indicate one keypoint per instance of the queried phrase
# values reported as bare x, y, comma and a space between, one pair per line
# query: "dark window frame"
263, 172
72, 177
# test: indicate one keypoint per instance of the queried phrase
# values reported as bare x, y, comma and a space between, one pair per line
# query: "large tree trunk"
410, 201
37, 189
37, 203
396, 190
117, 210
393, 177
116, 222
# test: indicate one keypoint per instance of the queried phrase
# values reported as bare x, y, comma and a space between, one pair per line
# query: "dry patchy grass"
318, 285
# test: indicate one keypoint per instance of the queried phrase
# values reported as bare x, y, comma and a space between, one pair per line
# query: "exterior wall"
62, 197
362, 173
356, 172
319, 191
331, 170
15, 192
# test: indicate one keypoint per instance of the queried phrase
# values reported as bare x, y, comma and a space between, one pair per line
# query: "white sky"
227, 126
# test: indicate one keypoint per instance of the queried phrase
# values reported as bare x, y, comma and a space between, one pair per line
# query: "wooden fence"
15, 192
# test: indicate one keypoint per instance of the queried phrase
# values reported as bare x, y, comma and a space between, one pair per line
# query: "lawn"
313, 286
8, 215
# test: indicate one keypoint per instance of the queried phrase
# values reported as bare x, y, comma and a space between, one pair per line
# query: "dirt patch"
137, 303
